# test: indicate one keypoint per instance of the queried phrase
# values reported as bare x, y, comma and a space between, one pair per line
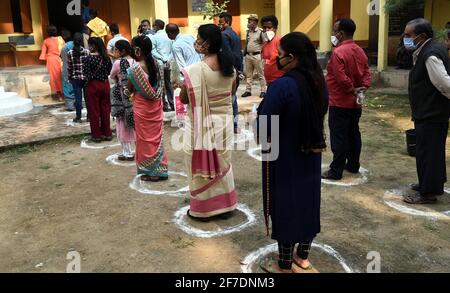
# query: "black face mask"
279, 65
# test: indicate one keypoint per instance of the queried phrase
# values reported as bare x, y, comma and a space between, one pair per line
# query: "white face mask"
270, 35
334, 41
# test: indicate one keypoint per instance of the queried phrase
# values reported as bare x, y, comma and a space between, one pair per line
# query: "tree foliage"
213, 9
393, 6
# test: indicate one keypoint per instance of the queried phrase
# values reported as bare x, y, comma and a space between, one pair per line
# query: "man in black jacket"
429, 92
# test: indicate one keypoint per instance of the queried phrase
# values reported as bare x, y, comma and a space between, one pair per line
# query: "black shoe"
415, 187
107, 138
263, 95
77, 120
96, 140
353, 171
330, 176
247, 94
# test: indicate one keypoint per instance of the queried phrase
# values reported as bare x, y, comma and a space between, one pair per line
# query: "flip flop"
270, 266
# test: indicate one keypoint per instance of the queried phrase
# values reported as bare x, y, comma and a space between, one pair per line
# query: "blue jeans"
235, 111
236, 107
79, 92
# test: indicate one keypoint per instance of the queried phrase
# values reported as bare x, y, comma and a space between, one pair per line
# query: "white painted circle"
363, 178
138, 185
70, 123
243, 137
409, 210
180, 222
255, 153
63, 112
114, 160
85, 144
253, 257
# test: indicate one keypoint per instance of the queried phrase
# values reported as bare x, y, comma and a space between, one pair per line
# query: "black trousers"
431, 157
346, 142
169, 103
286, 253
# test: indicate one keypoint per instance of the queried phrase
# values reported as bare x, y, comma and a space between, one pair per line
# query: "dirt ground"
57, 197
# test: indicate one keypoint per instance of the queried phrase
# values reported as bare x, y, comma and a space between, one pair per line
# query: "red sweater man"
348, 74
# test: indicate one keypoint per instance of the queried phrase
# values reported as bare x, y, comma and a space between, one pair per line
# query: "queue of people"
208, 71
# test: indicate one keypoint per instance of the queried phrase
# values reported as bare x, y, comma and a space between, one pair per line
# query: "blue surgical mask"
410, 44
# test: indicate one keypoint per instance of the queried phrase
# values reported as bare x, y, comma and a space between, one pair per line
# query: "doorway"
57, 15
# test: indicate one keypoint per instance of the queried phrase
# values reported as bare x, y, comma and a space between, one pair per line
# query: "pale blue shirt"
112, 43
162, 46
184, 51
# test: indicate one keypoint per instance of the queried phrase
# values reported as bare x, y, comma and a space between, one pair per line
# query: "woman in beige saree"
208, 141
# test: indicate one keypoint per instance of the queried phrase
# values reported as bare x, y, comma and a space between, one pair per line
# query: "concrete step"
15, 105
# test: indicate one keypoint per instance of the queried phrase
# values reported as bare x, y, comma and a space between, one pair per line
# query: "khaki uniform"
253, 59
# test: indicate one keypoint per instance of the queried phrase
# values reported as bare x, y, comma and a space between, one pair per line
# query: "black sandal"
147, 178
122, 158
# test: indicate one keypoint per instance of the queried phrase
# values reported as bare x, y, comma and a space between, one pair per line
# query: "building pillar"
162, 10
283, 13
36, 22
326, 24
383, 38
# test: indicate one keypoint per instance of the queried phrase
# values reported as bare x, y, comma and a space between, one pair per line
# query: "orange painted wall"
178, 13
24, 58
113, 11
6, 23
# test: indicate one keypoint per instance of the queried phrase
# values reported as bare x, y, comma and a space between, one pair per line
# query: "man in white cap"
253, 59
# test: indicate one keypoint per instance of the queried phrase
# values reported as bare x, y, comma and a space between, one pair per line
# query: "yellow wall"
299, 11
140, 10
440, 13
37, 29
360, 16
262, 8
195, 19
302, 9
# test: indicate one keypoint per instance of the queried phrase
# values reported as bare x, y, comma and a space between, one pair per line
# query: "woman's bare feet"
302, 266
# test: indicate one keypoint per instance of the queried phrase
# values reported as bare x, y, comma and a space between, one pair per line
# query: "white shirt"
113, 41
437, 72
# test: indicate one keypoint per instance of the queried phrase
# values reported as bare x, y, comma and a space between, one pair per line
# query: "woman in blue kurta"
69, 94
292, 162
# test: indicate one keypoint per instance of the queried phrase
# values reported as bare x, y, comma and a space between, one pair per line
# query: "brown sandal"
418, 199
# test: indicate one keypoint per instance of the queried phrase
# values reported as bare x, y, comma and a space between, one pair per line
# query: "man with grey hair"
429, 93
